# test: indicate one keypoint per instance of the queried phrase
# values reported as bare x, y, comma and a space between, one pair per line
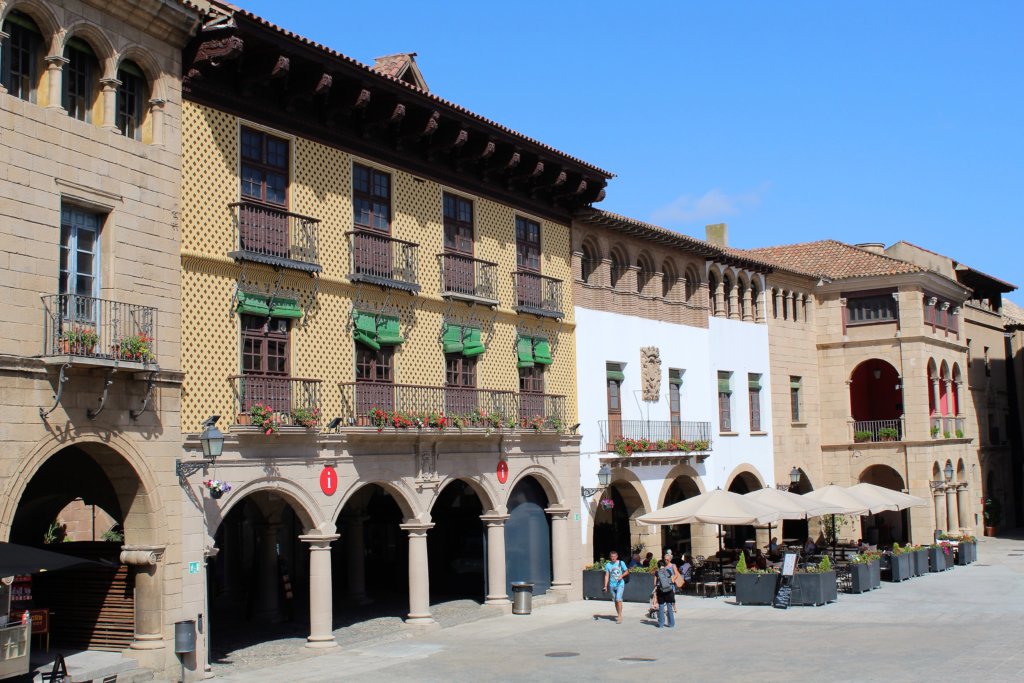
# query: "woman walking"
665, 591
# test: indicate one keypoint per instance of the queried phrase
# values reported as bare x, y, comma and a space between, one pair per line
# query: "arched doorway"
89, 501
370, 562
796, 531
876, 400
885, 528
613, 529
455, 546
528, 537
258, 586
677, 536
737, 536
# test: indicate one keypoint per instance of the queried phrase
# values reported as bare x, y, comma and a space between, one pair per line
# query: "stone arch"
146, 505
746, 473
885, 476
669, 277
297, 497
681, 470
97, 39
402, 495
644, 271
488, 499
797, 304
149, 66
961, 470
44, 17
619, 263
755, 299
693, 282
547, 480
631, 490
590, 258
713, 280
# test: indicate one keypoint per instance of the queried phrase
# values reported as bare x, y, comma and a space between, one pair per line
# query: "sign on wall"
328, 480
502, 471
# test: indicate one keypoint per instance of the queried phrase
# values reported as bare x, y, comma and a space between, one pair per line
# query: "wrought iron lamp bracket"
589, 493
185, 469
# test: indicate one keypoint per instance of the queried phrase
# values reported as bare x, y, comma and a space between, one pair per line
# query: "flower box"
966, 552
638, 588
814, 589
899, 567
875, 573
938, 561
920, 561
860, 578
756, 589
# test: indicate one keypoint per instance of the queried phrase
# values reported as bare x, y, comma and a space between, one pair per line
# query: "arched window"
620, 264
943, 389
589, 261
785, 304
692, 284
669, 279
932, 389
955, 390
81, 80
727, 285
741, 298
797, 298
132, 95
775, 303
713, 292
22, 56
644, 272
754, 295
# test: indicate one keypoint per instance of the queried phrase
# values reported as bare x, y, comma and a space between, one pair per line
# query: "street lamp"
948, 471
604, 477
794, 476
212, 438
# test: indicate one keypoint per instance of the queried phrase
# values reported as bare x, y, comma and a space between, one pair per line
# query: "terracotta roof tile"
1013, 315
833, 259
392, 65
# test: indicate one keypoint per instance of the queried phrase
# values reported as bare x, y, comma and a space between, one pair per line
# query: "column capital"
157, 102
558, 512
319, 541
110, 83
417, 528
56, 61
961, 485
142, 555
494, 520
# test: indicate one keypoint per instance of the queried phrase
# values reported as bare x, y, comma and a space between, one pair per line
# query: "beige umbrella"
900, 500
848, 503
791, 505
714, 507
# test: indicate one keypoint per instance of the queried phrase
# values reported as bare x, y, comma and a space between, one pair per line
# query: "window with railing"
371, 198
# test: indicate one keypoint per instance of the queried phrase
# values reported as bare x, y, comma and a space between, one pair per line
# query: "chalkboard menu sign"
784, 593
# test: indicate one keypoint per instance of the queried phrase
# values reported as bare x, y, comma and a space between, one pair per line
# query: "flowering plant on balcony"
137, 347
631, 446
536, 423
306, 416
78, 339
888, 434
263, 416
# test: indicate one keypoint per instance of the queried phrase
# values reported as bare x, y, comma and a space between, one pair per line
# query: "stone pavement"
966, 624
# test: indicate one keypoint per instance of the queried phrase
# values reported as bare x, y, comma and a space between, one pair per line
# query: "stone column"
496, 579
734, 301
156, 115
748, 307
561, 549
951, 514
719, 295
963, 506
937, 501
109, 94
149, 613
269, 609
759, 311
321, 599
419, 574
355, 559
55, 79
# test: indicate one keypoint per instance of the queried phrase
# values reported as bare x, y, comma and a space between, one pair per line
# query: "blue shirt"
614, 571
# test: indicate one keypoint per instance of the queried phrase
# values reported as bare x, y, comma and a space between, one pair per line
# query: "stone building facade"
376, 304
90, 365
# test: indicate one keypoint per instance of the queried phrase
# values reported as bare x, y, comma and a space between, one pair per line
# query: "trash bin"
522, 598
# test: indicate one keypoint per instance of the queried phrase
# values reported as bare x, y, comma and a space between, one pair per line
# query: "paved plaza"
914, 631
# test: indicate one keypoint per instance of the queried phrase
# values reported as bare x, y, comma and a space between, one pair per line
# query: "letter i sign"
329, 480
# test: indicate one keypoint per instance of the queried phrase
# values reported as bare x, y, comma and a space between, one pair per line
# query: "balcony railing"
275, 236
466, 407
947, 426
378, 259
464, 277
878, 430
613, 431
291, 400
538, 294
91, 328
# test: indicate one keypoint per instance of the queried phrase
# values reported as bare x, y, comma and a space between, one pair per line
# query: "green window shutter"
365, 331
723, 385
542, 351
754, 382
253, 304
388, 331
473, 346
617, 375
524, 350
451, 339
286, 308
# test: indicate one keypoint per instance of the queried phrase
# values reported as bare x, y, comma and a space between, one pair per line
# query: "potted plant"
135, 347
959, 433
899, 564
815, 586
754, 586
860, 574
993, 512
861, 437
888, 434
935, 431
919, 563
216, 487
939, 557
305, 416
874, 568
946, 435
243, 419
263, 416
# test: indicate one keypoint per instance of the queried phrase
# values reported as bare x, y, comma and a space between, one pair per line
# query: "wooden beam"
281, 68
323, 86
362, 99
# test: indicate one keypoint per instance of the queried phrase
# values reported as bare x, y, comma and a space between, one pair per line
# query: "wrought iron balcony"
538, 294
275, 237
101, 331
467, 278
541, 409
378, 259
878, 430
287, 401
672, 435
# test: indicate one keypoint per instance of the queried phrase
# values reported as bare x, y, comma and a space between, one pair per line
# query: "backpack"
665, 580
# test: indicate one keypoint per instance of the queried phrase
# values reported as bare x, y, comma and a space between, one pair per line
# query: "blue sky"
790, 121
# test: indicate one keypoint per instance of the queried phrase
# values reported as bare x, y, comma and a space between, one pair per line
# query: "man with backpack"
615, 576
665, 591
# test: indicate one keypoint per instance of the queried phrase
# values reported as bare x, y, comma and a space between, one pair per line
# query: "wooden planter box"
638, 589
756, 589
875, 572
814, 589
899, 567
937, 560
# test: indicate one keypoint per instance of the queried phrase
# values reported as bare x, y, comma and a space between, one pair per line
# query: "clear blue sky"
790, 121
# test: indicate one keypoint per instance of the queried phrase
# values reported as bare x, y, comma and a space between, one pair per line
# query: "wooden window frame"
372, 197
754, 396
264, 167
261, 332
531, 380
795, 399
72, 221
459, 234
528, 249
461, 369
725, 407
378, 366
891, 307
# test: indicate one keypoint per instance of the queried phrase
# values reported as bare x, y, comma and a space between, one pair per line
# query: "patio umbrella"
791, 505
848, 503
18, 559
714, 507
901, 500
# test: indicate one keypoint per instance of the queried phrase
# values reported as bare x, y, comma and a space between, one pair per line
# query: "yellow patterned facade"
322, 345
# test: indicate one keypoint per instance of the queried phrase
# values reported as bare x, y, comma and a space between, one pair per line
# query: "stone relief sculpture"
650, 372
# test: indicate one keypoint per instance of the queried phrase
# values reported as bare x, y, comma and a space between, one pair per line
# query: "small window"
460, 371
675, 386
754, 392
527, 244
371, 198
795, 398
589, 261
265, 163
871, 309
20, 56
458, 224
131, 100
725, 401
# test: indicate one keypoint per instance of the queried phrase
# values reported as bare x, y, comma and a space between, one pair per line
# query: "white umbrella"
847, 502
901, 500
714, 507
791, 505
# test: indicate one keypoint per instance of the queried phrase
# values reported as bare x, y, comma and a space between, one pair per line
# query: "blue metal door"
528, 538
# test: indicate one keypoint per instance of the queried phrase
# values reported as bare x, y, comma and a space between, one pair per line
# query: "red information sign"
502, 471
329, 480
